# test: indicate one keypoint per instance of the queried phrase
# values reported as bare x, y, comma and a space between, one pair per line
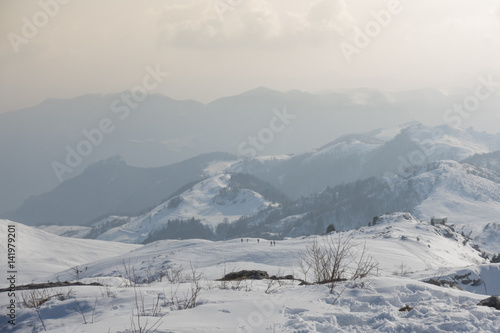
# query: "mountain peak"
260, 90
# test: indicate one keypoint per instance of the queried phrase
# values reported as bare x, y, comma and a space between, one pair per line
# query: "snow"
217, 167
41, 253
251, 165
265, 158
389, 133
203, 201
367, 305
455, 143
75, 231
469, 201
345, 149
408, 252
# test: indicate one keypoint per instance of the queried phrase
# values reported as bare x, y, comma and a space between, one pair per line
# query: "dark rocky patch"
492, 302
50, 285
406, 308
243, 275
442, 283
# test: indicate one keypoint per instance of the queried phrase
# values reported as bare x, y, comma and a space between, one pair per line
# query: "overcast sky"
223, 47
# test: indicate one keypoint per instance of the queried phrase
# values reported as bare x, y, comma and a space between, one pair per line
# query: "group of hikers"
273, 243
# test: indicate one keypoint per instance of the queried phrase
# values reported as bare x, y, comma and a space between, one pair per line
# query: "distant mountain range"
38, 145
344, 183
398, 150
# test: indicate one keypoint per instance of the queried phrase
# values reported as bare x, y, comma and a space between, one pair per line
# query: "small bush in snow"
335, 260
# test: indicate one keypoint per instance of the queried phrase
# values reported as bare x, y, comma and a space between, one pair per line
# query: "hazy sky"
224, 47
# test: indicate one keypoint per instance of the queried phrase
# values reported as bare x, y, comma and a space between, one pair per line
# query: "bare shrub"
79, 309
34, 299
174, 273
402, 270
195, 279
190, 299
336, 259
129, 274
365, 264
93, 310
107, 292
64, 295
271, 288
139, 322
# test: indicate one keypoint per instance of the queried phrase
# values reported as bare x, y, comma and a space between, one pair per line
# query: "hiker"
274, 243
258, 240
242, 240
271, 243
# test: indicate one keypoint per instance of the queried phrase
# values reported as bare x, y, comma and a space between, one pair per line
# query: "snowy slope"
469, 200
210, 201
391, 241
66, 230
445, 142
41, 253
368, 305
346, 147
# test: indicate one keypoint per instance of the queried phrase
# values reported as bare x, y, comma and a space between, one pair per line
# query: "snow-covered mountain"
160, 130
230, 204
217, 199
225, 206
468, 196
395, 150
111, 187
165, 274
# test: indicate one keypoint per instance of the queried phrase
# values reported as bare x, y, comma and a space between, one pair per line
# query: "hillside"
220, 198
393, 150
467, 196
111, 187
40, 253
436, 246
236, 205
407, 251
488, 160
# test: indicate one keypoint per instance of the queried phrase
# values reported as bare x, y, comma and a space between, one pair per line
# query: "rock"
305, 283
443, 283
406, 308
492, 302
434, 282
461, 277
477, 282
243, 275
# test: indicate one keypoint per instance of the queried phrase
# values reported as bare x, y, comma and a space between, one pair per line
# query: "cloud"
210, 24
